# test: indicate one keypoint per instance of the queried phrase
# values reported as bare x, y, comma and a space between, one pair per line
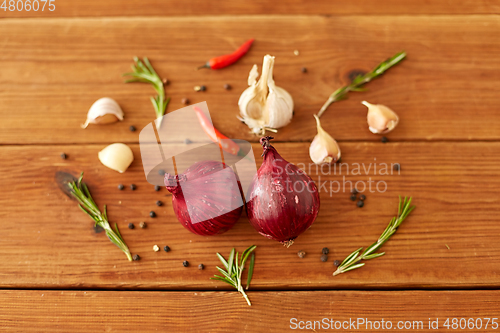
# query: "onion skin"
276, 209
209, 186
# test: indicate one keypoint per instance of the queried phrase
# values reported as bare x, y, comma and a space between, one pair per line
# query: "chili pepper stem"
206, 65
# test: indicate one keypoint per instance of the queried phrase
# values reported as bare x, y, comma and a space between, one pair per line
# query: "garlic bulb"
380, 118
116, 156
263, 105
104, 111
323, 148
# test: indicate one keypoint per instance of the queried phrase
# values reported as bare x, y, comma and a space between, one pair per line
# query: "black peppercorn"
131, 226
185, 263
353, 197
64, 156
203, 88
227, 86
152, 214
161, 172
339, 160
324, 258
157, 188
132, 128
201, 267
159, 203
187, 141
325, 250
354, 191
143, 225
304, 70
336, 263
301, 253
384, 139
136, 257
166, 248
121, 187
133, 187
360, 203
396, 167
185, 101
362, 197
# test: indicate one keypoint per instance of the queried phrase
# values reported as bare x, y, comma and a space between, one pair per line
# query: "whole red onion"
282, 201
206, 197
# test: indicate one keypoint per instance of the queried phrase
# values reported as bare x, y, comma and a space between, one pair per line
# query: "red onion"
206, 197
282, 201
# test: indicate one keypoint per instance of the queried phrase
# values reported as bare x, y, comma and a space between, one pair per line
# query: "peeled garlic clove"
263, 105
116, 156
104, 111
323, 149
380, 118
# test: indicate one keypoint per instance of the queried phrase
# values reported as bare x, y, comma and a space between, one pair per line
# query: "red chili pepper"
228, 59
225, 143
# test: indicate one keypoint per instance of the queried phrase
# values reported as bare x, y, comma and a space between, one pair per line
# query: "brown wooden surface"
51, 244
257, 7
58, 275
90, 311
54, 69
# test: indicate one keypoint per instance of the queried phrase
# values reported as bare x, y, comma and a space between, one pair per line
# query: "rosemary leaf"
250, 270
224, 262
349, 257
223, 272
234, 269
360, 80
80, 191
373, 256
230, 262
352, 260
350, 268
145, 73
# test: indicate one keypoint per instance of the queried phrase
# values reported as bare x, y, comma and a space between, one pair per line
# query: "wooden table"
58, 275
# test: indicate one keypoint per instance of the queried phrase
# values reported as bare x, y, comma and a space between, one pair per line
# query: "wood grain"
50, 243
257, 7
96, 311
54, 69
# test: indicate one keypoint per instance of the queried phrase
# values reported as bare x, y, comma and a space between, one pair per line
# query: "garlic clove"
279, 107
104, 111
381, 119
323, 149
263, 105
116, 156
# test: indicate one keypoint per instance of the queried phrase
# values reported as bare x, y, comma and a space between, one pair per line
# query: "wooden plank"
54, 69
50, 243
121, 311
258, 7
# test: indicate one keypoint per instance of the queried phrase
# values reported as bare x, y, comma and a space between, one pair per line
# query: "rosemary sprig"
234, 269
360, 80
82, 194
144, 72
352, 260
